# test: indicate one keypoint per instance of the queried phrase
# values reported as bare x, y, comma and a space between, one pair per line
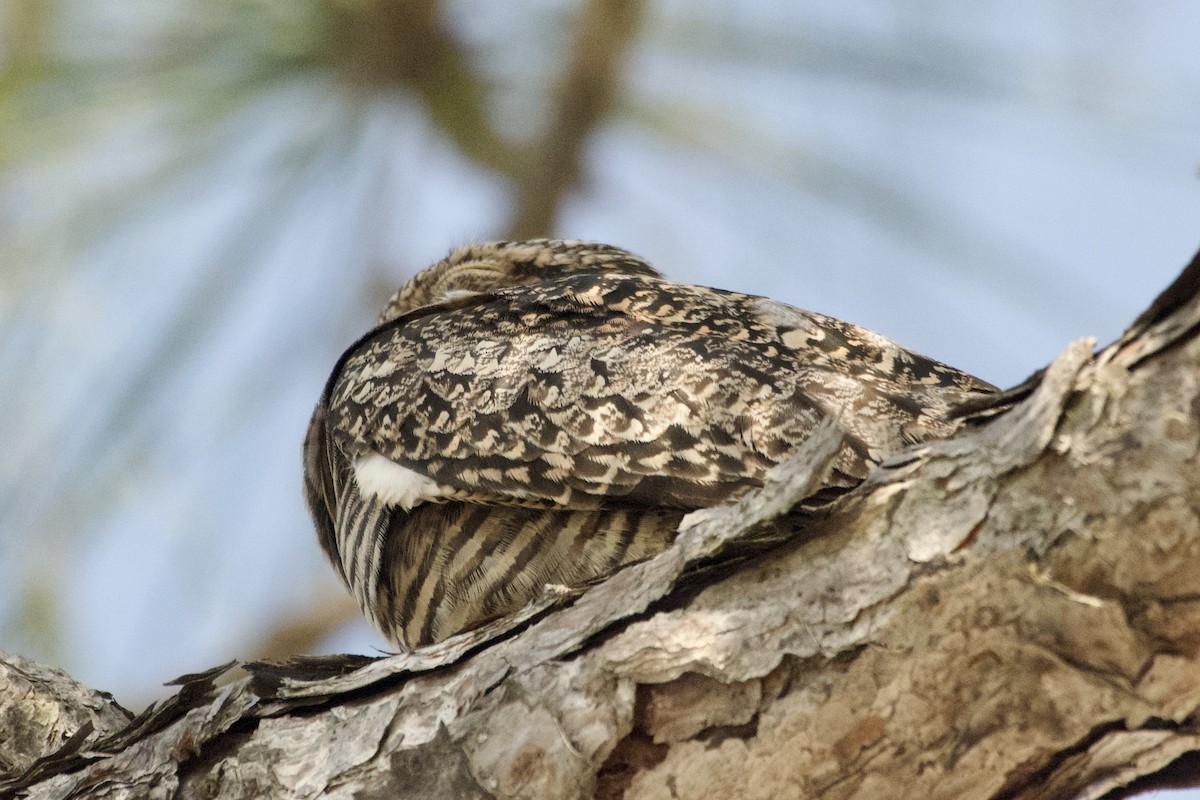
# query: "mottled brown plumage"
531, 413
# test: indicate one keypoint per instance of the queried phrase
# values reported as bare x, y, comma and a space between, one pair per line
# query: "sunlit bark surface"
1012, 613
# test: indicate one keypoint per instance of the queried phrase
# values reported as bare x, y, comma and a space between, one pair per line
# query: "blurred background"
202, 202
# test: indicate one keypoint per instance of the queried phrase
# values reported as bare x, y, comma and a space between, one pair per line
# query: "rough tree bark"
1012, 613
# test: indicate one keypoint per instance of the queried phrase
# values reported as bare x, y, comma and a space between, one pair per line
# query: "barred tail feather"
452, 567
361, 525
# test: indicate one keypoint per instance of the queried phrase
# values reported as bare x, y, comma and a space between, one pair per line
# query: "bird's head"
493, 265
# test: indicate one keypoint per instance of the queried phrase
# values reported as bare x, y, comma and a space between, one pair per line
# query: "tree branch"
604, 36
1011, 613
405, 42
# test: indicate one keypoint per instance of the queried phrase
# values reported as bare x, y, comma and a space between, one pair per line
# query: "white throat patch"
379, 476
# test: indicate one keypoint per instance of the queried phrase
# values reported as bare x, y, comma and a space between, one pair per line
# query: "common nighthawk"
544, 412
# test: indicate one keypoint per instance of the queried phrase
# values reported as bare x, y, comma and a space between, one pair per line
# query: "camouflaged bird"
545, 412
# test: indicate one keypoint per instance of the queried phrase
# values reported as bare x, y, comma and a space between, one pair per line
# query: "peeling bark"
1011, 613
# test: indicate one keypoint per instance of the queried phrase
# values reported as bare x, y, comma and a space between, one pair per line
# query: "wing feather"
595, 391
